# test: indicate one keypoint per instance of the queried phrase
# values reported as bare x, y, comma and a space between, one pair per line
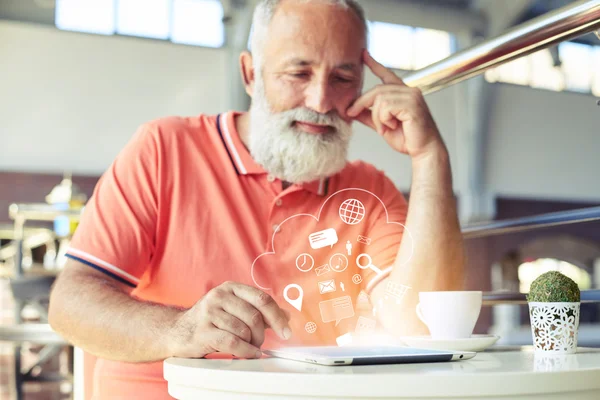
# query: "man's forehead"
295, 61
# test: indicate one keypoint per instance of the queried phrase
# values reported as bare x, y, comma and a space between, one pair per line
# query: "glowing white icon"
336, 309
363, 297
362, 301
349, 248
310, 327
305, 262
365, 326
364, 240
296, 303
395, 290
342, 286
321, 239
327, 286
338, 262
356, 279
378, 308
344, 340
352, 211
368, 264
322, 270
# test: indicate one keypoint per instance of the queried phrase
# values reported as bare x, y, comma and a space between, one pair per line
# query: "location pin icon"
296, 303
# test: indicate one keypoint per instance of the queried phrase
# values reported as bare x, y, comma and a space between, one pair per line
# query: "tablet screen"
357, 352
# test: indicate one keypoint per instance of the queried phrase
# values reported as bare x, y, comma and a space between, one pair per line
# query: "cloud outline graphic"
317, 218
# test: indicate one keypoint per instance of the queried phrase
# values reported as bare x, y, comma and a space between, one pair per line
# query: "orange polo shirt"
184, 208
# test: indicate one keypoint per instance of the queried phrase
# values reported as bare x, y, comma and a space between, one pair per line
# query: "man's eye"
299, 74
342, 79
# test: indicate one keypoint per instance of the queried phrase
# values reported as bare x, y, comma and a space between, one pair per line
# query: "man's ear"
247, 71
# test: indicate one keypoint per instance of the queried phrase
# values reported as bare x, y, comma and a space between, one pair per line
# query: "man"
161, 263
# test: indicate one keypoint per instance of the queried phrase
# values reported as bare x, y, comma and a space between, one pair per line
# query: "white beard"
290, 154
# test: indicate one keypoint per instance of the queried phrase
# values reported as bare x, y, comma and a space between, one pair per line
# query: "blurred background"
77, 77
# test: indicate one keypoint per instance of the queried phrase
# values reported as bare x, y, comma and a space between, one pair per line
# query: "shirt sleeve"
116, 234
387, 230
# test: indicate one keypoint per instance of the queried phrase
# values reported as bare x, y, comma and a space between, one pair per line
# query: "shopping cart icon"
396, 291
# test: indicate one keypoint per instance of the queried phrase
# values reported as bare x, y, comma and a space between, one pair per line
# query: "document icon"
364, 240
365, 326
322, 270
336, 309
327, 286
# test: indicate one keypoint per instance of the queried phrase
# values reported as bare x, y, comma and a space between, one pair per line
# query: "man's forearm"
109, 323
437, 261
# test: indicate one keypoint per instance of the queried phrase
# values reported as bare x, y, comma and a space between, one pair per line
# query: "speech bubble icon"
321, 239
336, 309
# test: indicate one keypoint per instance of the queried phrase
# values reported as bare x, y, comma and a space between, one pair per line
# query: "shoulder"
176, 135
177, 127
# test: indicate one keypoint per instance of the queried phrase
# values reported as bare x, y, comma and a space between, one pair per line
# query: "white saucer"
474, 343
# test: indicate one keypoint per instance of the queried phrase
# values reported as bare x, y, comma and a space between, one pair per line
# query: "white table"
500, 373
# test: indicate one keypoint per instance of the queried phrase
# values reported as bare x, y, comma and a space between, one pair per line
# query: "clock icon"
338, 262
305, 262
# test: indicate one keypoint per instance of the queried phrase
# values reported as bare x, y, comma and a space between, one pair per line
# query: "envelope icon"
327, 286
364, 240
322, 270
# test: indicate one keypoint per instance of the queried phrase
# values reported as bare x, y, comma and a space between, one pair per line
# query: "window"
574, 67
516, 71
92, 16
596, 68
152, 23
198, 22
544, 74
406, 47
529, 271
194, 22
577, 62
431, 46
392, 45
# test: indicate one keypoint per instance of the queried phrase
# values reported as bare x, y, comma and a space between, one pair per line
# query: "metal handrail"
503, 297
42, 212
531, 222
566, 23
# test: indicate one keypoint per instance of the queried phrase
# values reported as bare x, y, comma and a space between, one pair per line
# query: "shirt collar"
243, 162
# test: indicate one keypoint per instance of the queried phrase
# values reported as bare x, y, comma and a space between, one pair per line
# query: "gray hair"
264, 12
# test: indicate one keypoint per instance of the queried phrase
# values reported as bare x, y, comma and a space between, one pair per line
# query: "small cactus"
554, 287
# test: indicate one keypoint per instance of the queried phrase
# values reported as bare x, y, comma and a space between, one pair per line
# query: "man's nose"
318, 97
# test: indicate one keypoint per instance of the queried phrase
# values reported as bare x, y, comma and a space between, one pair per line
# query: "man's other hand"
231, 318
397, 112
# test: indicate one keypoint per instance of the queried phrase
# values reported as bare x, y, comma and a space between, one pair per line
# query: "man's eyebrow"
348, 67
300, 62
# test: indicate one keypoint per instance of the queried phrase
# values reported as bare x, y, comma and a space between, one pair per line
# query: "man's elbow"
56, 308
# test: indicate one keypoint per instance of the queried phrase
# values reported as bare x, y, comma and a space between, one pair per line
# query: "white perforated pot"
554, 327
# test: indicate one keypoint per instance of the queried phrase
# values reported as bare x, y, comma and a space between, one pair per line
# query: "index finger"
383, 73
272, 314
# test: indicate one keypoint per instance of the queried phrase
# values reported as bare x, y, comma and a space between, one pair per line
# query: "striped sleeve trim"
102, 266
232, 150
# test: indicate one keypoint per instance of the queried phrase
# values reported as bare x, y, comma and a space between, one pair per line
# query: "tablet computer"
333, 355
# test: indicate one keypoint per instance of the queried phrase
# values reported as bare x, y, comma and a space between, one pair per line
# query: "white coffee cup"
449, 315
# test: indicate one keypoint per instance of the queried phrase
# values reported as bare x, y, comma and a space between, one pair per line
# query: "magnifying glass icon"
369, 263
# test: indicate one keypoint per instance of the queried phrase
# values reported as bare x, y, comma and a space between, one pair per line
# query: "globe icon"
310, 327
352, 211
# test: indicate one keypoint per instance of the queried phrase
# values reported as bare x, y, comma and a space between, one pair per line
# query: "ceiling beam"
501, 15
425, 15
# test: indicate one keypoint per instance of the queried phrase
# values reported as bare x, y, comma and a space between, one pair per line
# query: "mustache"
303, 114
